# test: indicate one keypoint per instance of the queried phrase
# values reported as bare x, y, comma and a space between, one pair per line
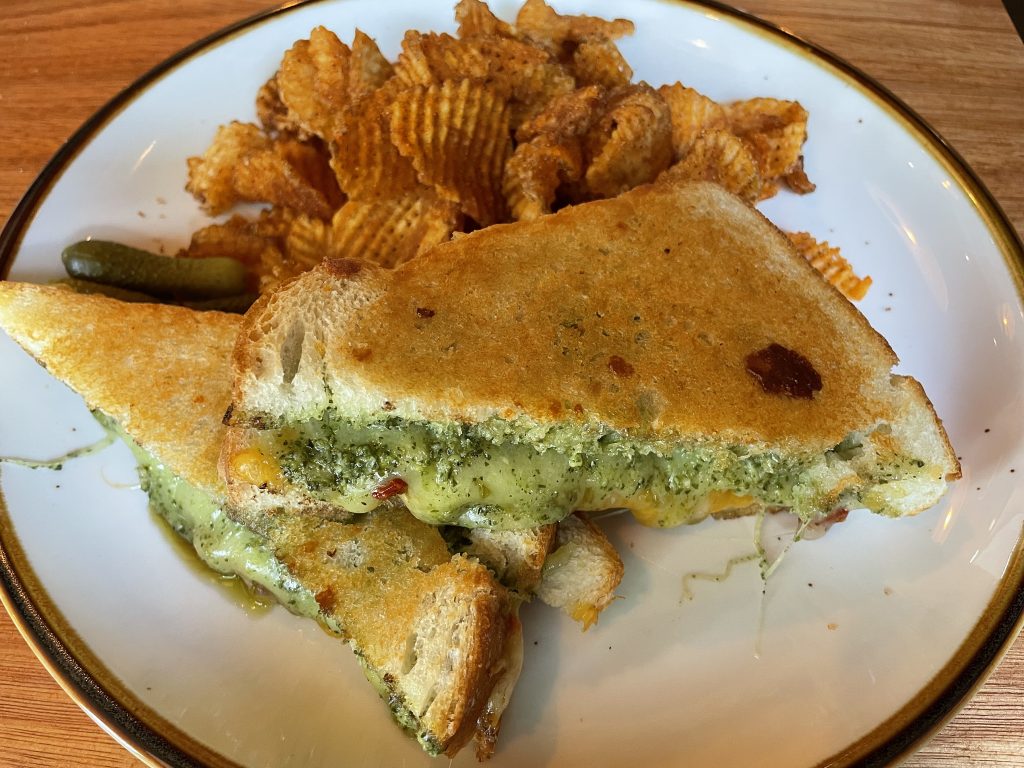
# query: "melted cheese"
222, 544
497, 477
257, 468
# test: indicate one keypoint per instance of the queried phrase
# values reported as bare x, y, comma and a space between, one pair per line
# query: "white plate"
903, 616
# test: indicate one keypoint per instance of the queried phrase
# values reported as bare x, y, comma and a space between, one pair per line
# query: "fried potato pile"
365, 158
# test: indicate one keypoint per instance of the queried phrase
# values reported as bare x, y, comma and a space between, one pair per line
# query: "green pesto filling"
504, 475
233, 550
224, 545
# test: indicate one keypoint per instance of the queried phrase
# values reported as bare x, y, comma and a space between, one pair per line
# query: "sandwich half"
435, 633
666, 351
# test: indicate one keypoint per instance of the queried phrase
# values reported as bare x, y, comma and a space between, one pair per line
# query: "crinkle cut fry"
535, 171
319, 77
390, 232
242, 164
693, 113
599, 62
831, 264
540, 23
631, 144
527, 75
365, 160
723, 158
457, 136
775, 130
549, 154
476, 19
312, 81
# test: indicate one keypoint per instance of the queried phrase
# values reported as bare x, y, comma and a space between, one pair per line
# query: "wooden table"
959, 63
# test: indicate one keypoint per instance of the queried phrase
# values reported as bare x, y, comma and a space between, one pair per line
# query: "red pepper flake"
342, 267
781, 371
837, 516
362, 354
392, 487
326, 599
424, 312
619, 367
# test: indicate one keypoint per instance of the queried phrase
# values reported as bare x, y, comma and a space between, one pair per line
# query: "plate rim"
155, 741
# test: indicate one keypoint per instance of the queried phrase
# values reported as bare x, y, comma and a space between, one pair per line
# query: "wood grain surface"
959, 63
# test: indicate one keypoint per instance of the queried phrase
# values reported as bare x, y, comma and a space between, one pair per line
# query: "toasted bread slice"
570, 565
515, 557
581, 574
436, 634
666, 351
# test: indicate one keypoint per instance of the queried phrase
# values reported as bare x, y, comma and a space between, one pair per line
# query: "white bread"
516, 557
570, 565
635, 316
436, 633
581, 574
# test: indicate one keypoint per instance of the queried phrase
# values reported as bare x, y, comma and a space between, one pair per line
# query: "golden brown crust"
636, 312
390, 582
161, 372
491, 608
93, 343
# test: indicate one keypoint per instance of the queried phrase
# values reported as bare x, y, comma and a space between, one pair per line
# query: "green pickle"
116, 264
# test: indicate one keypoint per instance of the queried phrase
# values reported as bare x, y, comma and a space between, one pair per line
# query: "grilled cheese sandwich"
666, 351
447, 654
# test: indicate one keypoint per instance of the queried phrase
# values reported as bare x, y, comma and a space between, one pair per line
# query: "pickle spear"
102, 261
